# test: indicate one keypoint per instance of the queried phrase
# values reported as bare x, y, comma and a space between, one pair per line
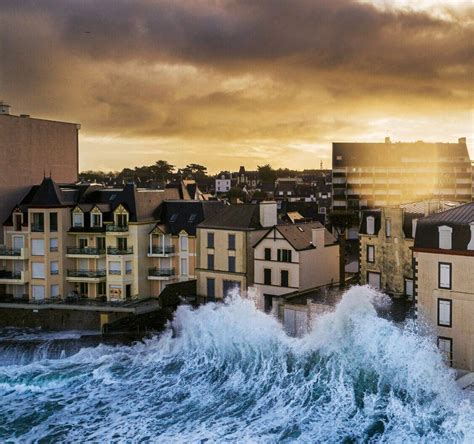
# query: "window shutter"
444, 312
445, 275
370, 225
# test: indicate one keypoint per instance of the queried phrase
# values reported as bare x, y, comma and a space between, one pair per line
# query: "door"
128, 291
373, 279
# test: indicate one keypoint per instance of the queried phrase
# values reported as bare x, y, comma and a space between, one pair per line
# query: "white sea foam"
230, 373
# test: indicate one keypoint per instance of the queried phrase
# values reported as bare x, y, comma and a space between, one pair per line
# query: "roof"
235, 217
459, 219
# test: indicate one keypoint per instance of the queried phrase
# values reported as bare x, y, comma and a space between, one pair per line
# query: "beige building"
225, 248
294, 257
444, 281
386, 236
31, 148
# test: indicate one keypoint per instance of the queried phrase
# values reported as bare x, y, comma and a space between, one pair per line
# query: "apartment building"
386, 237
250, 179
225, 247
79, 241
294, 257
29, 149
172, 241
444, 281
371, 175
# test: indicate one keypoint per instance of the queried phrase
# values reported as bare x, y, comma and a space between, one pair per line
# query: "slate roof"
235, 217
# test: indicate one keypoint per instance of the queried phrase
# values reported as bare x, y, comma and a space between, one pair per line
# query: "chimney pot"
462, 140
387, 140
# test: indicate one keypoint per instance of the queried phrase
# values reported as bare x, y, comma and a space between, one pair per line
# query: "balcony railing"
162, 249
4, 274
160, 272
36, 228
116, 228
82, 229
4, 251
85, 250
117, 250
86, 273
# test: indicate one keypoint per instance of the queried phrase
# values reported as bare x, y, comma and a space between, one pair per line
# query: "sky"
249, 82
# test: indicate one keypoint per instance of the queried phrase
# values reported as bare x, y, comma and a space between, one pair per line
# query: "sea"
229, 373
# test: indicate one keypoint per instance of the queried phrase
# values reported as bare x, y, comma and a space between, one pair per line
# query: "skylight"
173, 217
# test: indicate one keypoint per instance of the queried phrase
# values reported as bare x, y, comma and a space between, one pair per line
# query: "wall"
30, 148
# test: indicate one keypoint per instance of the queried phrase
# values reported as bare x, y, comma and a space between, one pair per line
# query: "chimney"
387, 140
4, 108
317, 237
462, 140
268, 213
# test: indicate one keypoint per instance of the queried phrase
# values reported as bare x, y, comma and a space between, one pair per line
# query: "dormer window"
96, 219
370, 225
17, 221
78, 219
445, 237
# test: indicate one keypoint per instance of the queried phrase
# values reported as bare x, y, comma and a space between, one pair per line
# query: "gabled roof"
235, 217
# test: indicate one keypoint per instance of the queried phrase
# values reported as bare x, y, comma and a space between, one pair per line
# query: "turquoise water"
229, 373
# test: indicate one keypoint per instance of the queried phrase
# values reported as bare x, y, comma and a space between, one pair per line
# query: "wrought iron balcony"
85, 250
86, 273
162, 249
118, 251
5, 274
116, 228
161, 272
37, 228
4, 251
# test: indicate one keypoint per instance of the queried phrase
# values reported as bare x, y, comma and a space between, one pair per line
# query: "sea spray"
228, 372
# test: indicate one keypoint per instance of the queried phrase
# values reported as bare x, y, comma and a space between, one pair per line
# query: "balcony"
161, 251
13, 253
37, 228
81, 229
90, 252
86, 275
112, 228
119, 251
160, 273
13, 277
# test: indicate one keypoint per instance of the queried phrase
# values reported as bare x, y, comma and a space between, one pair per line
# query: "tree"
162, 170
266, 173
194, 170
341, 221
235, 194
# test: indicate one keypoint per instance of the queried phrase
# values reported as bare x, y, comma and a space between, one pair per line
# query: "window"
183, 243
37, 222
370, 253
78, 220
414, 223
231, 241
53, 244
17, 221
37, 247
37, 291
370, 225
283, 255
83, 242
388, 228
445, 237
174, 217
284, 278
84, 289
128, 267
37, 270
122, 220
54, 267
267, 276
409, 287
96, 220
184, 267
211, 288
445, 345
268, 254
373, 279
122, 243
210, 262
338, 157
114, 267
53, 222
444, 275
322, 210
100, 243
231, 264
445, 312
210, 240
101, 289
54, 291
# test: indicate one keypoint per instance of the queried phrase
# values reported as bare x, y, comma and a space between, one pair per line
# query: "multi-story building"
225, 247
386, 237
248, 178
371, 175
294, 257
80, 241
31, 148
444, 281
223, 182
172, 241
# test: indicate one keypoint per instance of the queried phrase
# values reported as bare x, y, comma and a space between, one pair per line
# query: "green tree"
341, 221
162, 170
266, 173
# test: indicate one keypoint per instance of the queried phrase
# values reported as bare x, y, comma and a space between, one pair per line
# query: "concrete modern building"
372, 175
225, 247
31, 148
294, 257
444, 281
386, 237
172, 241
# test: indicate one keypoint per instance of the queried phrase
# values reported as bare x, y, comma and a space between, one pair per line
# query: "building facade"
223, 183
294, 257
444, 281
31, 148
224, 250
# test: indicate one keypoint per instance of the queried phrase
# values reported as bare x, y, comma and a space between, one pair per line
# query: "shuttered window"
370, 225
37, 247
444, 275
37, 269
445, 312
